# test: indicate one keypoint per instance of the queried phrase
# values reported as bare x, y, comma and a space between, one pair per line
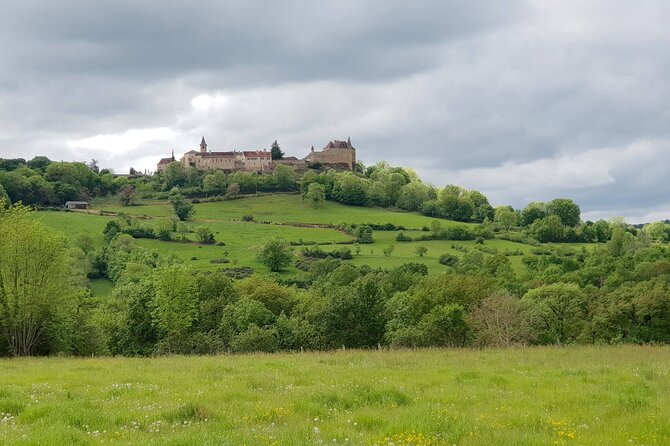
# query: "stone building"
163, 163
248, 160
336, 154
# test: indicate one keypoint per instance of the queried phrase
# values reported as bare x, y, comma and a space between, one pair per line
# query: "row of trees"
617, 292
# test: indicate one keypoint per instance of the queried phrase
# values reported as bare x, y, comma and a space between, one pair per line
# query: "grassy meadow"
539, 396
274, 217
280, 208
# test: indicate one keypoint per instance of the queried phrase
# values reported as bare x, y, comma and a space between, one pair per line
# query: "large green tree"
276, 151
316, 194
275, 254
566, 210
35, 286
182, 208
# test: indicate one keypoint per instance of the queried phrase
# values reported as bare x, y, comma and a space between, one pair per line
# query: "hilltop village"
336, 154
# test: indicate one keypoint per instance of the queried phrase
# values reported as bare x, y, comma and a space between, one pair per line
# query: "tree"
35, 290
39, 163
127, 195
557, 310
205, 235
421, 250
275, 254
316, 194
501, 321
276, 151
363, 234
174, 175
4, 198
659, 231
175, 309
182, 208
350, 189
505, 217
284, 177
567, 211
549, 229
215, 183
389, 250
412, 195
233, 190
532, 212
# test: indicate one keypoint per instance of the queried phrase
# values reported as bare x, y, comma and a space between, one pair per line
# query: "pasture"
279, 208
536, 396
285, 216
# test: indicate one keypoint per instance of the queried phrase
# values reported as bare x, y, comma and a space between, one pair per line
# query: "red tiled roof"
165, 161
218, 154
257, 153
338, 145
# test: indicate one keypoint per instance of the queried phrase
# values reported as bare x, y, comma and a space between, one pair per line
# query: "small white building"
76, 205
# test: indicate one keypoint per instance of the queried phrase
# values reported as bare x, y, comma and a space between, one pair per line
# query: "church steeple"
348, 142
173, 154
203, 145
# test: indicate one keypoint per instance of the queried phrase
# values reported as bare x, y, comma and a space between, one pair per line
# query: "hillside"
286, 216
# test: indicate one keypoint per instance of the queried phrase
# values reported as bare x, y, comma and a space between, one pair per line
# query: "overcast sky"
523, 100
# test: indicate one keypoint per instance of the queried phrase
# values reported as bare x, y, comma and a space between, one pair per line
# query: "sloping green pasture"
282, 208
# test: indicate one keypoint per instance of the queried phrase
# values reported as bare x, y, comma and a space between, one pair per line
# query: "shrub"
402, 237
255, 339
275, 254
247, 217
205, 235
363, 234
448, 260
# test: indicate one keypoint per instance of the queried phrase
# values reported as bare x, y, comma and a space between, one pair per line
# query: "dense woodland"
616, 292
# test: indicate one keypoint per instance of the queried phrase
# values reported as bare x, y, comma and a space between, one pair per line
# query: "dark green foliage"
363, 234
276, 151
205, 235
566, 210
276, 255
402, 237
182, 208
448, 260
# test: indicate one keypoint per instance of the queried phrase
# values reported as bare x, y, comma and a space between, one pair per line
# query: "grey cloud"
445, 87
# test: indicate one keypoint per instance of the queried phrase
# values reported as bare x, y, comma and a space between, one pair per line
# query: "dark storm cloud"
525, 101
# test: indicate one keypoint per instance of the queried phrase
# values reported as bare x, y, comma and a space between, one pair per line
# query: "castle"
336, 154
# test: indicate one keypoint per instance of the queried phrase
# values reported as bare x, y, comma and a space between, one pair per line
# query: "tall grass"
538, 396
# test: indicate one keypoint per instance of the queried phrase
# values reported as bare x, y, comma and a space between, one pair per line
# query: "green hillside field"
537, 396
279, 215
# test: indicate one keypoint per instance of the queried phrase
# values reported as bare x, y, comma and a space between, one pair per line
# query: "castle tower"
203, 145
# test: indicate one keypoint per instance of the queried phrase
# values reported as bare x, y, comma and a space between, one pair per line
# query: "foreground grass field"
539, 396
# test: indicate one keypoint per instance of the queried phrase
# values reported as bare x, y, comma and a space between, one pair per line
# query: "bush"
402, 237
205, 235
247, 217
241, 272
255, 339
479, 240
363, 234
448, 260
